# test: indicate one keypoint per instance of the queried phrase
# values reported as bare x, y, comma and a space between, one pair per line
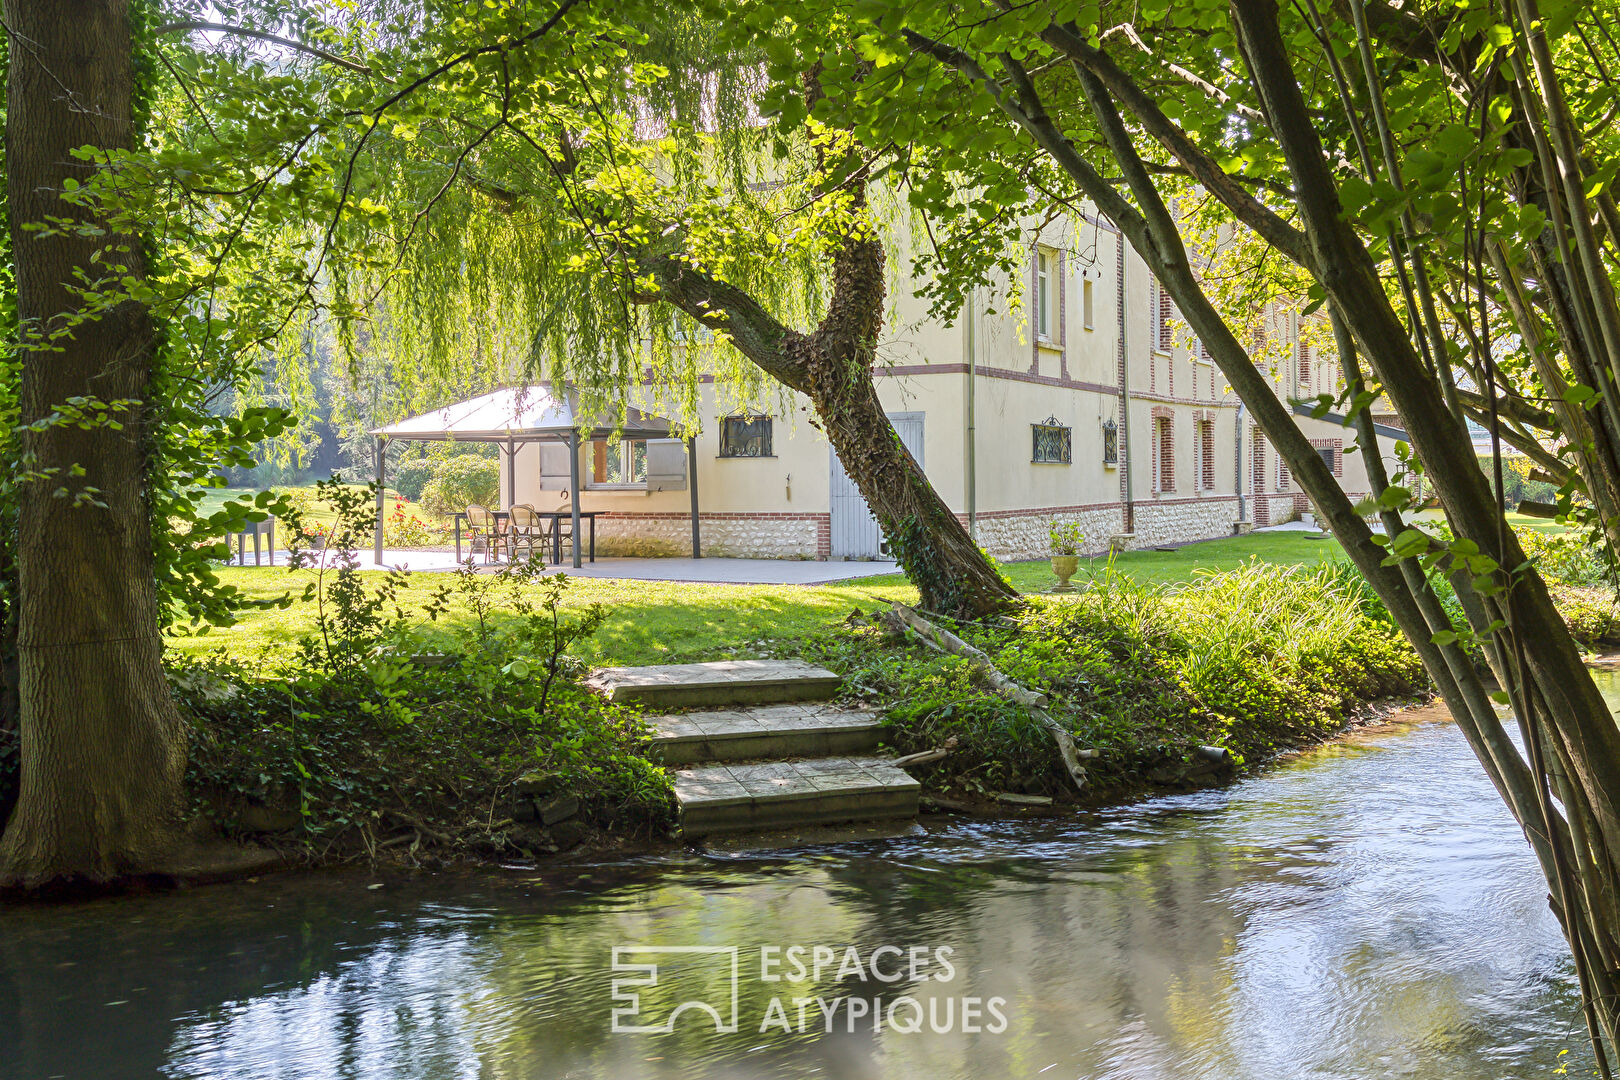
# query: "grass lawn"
319, 513
671, 622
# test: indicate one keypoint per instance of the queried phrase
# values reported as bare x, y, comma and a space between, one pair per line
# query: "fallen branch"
944, 641
925, 757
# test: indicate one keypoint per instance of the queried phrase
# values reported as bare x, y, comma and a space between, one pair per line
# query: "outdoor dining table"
557, 518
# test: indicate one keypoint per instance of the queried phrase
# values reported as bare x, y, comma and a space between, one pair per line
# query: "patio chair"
530, 531
489, 533
565, 524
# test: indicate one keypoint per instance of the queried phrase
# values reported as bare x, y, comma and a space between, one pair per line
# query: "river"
1367, 910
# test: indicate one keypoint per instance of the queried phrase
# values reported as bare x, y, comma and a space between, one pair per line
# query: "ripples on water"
1368, 910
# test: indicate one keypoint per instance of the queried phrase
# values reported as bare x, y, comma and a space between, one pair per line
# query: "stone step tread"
724, 783
760, 720
717, 682
760, 796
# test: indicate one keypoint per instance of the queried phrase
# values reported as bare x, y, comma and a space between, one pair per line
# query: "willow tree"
584, 199
1438, 174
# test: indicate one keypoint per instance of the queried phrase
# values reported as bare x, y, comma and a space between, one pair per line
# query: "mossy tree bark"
833, 366
102, 744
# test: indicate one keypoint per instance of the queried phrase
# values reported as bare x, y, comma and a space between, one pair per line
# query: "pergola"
529, 414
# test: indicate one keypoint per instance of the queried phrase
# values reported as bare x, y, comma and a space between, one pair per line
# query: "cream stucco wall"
780, 505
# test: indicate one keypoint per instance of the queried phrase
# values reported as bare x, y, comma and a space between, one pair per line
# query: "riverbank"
480, 745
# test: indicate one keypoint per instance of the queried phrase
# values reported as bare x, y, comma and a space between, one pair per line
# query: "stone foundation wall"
1012, 535
738, 536
1180, 520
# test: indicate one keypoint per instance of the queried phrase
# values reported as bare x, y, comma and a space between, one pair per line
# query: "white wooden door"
855, 532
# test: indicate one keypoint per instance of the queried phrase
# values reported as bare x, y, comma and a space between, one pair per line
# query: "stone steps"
777, 756
743, 797
724, 682
765, 731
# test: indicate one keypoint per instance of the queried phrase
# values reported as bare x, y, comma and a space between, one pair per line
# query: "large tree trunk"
103, 748
833, 366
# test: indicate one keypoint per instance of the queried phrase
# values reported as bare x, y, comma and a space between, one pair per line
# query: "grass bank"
1252, 660
411, 716
654, 622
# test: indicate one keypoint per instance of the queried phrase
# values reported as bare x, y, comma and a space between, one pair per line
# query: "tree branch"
275, 39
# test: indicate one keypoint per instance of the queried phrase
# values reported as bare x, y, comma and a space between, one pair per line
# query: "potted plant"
1067, 536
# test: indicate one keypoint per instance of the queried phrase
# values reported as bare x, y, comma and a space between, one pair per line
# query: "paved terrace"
714, 570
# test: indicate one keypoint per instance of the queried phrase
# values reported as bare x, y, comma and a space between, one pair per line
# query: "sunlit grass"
676, 622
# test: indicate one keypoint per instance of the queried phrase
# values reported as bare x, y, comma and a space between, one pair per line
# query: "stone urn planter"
1064, 566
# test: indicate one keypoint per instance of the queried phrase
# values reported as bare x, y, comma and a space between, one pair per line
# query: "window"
618, 462
1330, 457
1086, 304
1110, 443
1043, 295
745, 436
1206, 455
683, 329
1305, 364
1164, 314
1164, 454
1052, 443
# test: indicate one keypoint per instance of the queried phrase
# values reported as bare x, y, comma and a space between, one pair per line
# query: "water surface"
1366, 910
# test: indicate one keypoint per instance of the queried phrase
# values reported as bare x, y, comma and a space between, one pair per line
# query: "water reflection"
1366, 911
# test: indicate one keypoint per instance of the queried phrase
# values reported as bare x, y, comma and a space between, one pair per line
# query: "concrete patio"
711, 570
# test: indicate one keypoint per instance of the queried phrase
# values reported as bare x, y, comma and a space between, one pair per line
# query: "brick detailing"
1204, 423
1337, 446
1061, 288
1262, 515
1035, 308
1164, 449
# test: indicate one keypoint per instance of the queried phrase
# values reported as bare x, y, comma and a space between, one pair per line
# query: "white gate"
855, 532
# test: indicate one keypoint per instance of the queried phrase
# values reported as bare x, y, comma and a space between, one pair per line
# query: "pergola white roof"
526, 414
521, 413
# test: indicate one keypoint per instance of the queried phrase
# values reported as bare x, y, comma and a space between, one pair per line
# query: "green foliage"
1568, 558
1516, 482
1592, 615
381, 720
1254, 659
455, 482
419, 462
1067, 537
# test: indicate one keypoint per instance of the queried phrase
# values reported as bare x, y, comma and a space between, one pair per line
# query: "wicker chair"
489, 533
530, 532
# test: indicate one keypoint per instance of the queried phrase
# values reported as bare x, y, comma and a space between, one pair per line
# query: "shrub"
1566, 558
1254, 659
458, 481
1592, 615
383, 721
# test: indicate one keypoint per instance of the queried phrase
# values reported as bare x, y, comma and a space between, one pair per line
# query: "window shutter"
1305, 367
666, 465
554, 471
1166, 314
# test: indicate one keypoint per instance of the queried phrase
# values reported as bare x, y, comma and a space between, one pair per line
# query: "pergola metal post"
691, 469
382, 449
573, 488
511, 473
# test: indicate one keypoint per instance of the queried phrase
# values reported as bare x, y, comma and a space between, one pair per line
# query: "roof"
522, 412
